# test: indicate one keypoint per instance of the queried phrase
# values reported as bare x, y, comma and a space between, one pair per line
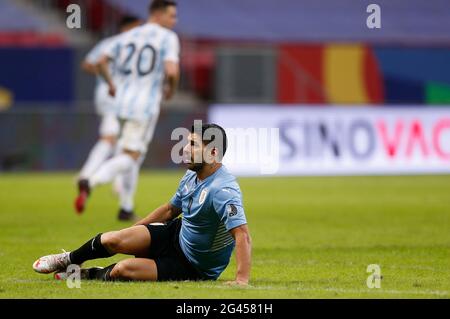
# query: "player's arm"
171, 66
89, 64
243, 241
103, 70
172, 77
162, 214
89, 68
167, 211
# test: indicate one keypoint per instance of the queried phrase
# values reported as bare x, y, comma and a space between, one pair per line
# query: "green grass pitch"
312, 237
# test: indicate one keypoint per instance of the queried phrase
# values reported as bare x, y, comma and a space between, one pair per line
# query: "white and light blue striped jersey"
104, 103
142, 52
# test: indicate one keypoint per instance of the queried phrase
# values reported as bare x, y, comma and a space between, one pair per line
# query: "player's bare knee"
122, 271
134, 154
116, 272
111, 139
112, 241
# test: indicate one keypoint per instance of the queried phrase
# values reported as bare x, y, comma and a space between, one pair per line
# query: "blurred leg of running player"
134, 140
136, 104
104, 148
128, 185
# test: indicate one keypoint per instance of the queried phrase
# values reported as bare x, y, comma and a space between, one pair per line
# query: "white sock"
111, 168
99, 153
117, 184
129, 183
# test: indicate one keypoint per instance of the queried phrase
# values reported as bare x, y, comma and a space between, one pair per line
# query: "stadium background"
313, 237
260, 52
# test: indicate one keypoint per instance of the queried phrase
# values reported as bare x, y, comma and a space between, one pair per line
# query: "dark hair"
126, 20
161, 4
217, 131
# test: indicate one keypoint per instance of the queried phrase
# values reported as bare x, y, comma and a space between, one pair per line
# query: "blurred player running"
148, 68
109, 127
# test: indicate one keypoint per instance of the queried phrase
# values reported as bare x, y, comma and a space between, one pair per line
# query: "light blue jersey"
104, 103
211, 208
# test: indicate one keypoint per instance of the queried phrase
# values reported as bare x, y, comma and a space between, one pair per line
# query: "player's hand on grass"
237, 282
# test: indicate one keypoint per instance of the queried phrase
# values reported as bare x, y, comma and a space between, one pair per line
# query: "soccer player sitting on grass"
197, 246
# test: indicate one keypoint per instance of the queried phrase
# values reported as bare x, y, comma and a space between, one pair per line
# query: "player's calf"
134, 241
135, 269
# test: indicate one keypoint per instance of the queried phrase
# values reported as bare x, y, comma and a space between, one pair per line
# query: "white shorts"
104, 103
137, 135
109, 125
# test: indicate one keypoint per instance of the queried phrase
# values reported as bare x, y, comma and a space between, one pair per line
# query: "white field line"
300, 289
339, 290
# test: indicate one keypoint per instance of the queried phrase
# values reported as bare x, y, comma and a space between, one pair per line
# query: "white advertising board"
324, 140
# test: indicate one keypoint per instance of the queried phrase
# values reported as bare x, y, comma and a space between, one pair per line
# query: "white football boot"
52, 263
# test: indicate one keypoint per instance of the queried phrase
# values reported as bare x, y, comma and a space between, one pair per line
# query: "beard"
196, 167
191, 165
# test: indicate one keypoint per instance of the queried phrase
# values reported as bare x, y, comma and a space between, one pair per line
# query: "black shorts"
165, 250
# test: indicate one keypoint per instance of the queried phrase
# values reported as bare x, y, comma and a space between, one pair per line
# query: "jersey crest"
203, 194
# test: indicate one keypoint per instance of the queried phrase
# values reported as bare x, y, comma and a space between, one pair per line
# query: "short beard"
196, 167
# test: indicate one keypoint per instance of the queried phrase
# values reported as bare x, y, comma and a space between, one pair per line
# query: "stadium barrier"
61, 139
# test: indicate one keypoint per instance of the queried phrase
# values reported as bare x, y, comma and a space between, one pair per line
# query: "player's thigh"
109, 126
141, 269
136, 135
150, 131
134, 240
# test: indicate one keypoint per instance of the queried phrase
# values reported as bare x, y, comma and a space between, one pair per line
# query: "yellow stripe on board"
343, 74
6, 99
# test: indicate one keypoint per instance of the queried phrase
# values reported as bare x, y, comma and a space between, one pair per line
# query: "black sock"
92, 249
101, 274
